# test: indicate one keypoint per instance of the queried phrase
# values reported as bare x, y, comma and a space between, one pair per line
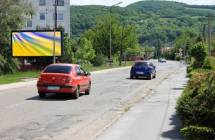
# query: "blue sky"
127, 2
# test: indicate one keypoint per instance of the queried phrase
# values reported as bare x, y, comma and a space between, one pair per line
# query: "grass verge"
18, 76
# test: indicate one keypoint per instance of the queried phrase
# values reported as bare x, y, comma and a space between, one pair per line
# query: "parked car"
162, 60
63, 79
143, 69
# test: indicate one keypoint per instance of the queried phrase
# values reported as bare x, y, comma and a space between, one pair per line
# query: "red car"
64, 78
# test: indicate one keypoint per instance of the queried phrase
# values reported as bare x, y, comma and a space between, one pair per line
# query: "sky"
127, 2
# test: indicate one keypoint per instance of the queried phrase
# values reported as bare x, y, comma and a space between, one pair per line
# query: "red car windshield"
58, 69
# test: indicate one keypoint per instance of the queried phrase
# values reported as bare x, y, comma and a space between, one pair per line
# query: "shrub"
8, 65
209, 63
85, 64
177, 58
196, 105
189, 69
198, 71
198, 52
99, 60
198, 133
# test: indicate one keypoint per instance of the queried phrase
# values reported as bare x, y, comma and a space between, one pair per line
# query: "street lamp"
110, 49
55, 27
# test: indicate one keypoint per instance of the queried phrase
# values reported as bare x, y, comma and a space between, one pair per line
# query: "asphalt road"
24, 116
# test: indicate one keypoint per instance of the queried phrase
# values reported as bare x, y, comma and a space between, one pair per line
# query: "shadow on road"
179, 88
53, 97
138, 79
174, 133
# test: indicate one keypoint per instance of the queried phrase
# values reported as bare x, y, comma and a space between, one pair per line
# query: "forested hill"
162, 20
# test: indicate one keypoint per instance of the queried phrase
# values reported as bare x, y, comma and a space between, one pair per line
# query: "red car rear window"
58, 69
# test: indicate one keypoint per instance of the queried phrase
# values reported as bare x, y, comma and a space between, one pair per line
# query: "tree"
85, 52
69, 50
124, 37
12, 15
198, 52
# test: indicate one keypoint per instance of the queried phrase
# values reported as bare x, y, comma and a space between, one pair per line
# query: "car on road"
143, 69
62, 79
162, 60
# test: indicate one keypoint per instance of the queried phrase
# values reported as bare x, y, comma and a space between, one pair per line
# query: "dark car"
143, 69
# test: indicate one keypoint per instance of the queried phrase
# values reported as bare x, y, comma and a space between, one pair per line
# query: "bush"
189, 69
198, 52
99, 60
198, 133
209, 63
198, 71
85, 64
8, 65
177, 58
196, 105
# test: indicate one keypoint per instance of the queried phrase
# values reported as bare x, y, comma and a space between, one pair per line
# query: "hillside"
162, 20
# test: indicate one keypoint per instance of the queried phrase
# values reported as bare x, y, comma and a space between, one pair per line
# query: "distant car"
63, 79
143, 69
162, 60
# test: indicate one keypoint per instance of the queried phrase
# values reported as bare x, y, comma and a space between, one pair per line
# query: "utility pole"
55, 28
110, 48
209, 35
121, 45
204, 33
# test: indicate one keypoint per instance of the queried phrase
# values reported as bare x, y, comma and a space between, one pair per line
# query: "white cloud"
127, 2
198, 2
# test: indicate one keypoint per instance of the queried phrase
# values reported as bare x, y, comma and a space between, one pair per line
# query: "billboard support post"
55, 27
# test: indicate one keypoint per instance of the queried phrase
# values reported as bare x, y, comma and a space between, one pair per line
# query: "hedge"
196, 107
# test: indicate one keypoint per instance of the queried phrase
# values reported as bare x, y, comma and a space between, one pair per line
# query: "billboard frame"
11, 46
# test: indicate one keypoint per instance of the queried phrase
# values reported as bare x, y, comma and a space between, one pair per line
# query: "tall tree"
85, 51
124, 38
12, 14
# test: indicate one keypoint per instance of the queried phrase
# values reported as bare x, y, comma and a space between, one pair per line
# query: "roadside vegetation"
18, 77
196, 105
11, 19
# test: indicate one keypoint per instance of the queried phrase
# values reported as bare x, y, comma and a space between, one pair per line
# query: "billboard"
36, 43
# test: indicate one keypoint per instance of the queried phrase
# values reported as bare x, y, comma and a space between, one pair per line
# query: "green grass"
20, 76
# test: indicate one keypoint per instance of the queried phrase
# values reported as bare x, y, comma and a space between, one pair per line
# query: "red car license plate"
53, 87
